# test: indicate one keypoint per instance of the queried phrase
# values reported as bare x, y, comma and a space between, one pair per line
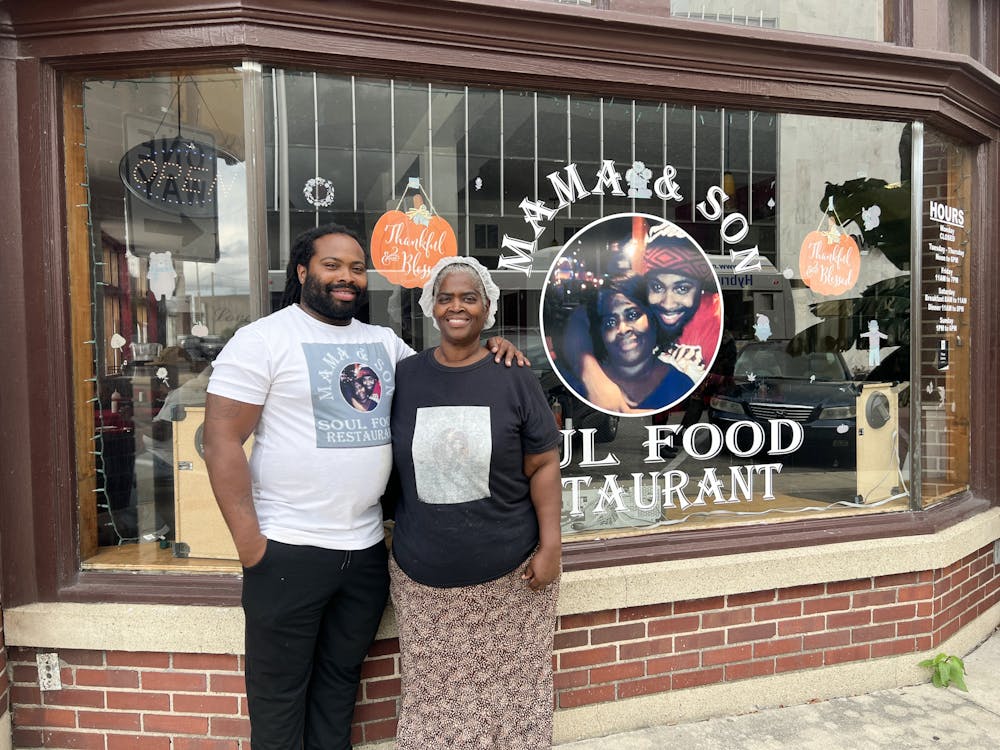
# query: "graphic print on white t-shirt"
452, 449
351, 387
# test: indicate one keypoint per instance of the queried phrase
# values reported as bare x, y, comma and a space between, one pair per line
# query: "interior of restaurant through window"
801, 406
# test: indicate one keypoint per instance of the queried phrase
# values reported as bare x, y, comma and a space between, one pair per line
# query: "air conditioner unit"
877, 443
200, 529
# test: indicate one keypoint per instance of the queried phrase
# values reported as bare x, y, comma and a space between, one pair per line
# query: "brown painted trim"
675, 545
541, 45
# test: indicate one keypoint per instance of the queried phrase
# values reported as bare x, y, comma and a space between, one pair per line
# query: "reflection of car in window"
773, 380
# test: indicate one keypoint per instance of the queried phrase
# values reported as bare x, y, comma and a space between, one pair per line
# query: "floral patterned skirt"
476, 664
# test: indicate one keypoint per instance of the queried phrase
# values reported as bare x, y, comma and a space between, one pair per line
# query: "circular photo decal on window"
360, 386
633, 310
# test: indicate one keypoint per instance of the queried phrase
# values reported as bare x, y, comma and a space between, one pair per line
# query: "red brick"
109, 720
913, 627
844, 587
80, 658
672, 663
206, 662
850, 619
647, 686
798, 661
385, 647
671, 625
617, 672
749, 669
134, 741
915, 593
175, 723
648, 647
629, 614
698, 641
371, 711
586, 620
380, 730
587, 696
34, 716
894, 614
829, 604
828, 639
174, 681
383, 667
750, 598
587, 657
694, 679
572, 639
895, 580
802, 625
141, 659
357, 734
375, 689
227, 683
802, 592
82, 698
206, 704
777, 647
139, 701
699, 605
26, 695
225, 726
27, 737
926, 609
726, 618
616, 633
873, 633
116, 678
574, 679
726, 655
752, 633
73, 740
777, 611
196, 743
851, 653
874, 598
894, 648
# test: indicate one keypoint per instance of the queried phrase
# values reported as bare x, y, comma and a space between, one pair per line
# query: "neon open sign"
177, 175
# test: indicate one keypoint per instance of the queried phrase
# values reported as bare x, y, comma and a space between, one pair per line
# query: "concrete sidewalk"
921, 716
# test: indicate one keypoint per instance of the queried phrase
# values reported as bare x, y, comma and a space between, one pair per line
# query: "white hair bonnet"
491, 289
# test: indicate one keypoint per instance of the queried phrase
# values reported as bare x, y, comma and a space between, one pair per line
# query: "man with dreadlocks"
304, 511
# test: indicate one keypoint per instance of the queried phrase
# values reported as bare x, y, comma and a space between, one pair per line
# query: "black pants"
311, 616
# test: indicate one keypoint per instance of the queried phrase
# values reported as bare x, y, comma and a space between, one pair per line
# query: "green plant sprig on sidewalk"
947, 670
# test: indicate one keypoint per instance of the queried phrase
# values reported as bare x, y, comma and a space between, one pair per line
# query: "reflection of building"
369, 95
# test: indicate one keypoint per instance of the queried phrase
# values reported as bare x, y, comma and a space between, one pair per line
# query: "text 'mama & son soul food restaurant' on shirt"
813, 514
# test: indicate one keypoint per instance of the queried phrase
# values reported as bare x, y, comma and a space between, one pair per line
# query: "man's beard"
317, 296
673, 332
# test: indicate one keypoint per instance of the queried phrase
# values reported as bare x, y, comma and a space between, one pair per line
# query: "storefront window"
946, 259
166, 167
793, 234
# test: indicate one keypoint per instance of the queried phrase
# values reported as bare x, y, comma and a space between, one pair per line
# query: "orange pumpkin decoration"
406, 246
829, 262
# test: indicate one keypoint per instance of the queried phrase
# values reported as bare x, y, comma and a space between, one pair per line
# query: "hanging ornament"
199, 330
318, 192
406, 245
830, 261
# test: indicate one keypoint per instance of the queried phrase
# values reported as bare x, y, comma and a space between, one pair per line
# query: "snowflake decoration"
318, 192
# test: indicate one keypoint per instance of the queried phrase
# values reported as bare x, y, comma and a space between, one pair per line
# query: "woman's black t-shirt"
459, 437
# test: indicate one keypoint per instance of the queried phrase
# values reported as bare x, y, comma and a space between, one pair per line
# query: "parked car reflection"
774, 380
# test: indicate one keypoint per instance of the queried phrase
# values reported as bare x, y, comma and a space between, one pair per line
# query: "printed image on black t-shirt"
452, 449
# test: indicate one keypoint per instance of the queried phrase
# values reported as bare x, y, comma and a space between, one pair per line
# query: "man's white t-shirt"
322, 449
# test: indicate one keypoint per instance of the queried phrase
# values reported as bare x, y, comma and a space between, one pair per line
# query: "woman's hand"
687, 359
543, 567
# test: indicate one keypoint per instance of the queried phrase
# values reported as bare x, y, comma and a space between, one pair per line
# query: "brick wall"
195, 701
4, 676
